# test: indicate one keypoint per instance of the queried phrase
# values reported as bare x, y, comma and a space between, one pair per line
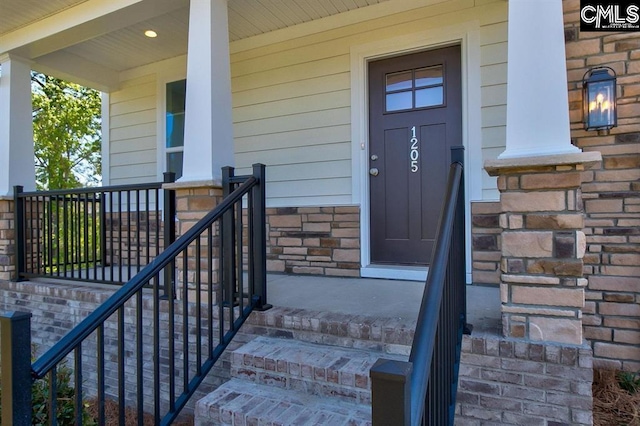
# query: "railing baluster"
121, 366
128, 229
138, 231
148, 228
120, 251
49, 251
198, 301
112, 246
53, 396
221, 280
35, 234
156, 347
77, 381
65, 234
210, 248
85, 207
103, 231
139, 358
239, 270
101, 375
185, 319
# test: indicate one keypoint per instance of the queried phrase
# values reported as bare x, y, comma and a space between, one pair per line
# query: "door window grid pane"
417, 88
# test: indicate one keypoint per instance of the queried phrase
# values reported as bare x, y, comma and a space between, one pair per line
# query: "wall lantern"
599, 100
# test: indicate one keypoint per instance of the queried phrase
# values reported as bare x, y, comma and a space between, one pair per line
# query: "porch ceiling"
108, 42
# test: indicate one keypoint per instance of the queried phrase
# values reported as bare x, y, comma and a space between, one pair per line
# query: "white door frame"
468, 36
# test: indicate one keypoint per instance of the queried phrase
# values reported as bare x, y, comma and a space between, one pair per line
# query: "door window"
416, 88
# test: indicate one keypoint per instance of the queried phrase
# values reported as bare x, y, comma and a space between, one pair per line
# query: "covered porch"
290, 88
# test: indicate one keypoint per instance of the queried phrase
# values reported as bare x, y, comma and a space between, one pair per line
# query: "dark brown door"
415, 116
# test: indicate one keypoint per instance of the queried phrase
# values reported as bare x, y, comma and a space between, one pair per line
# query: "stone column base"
7, 239
193, 201
542, 244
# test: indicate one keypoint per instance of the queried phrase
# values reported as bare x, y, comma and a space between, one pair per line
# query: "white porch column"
17, 166
208, 139
537, 99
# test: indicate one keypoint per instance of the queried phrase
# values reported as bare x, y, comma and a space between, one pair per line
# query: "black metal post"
228, 241
259, 236
18, 217
391, 393
103, 232
15, 332
457, 156
169, 224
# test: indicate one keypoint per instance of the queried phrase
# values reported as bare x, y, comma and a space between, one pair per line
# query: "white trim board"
466, 34
404, 273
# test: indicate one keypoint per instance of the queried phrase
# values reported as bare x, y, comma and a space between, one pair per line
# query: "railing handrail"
92, 189
87, 326
425, 332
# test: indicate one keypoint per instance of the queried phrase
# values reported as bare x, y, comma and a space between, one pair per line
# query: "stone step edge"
243, 402
384, 331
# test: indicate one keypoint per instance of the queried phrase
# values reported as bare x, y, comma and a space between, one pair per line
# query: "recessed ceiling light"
151, 34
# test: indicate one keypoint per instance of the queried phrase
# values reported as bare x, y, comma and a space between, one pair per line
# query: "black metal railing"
423, 390
140, 350
103, 234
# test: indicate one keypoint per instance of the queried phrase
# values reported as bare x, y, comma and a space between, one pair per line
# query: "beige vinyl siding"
132, 132
493, 71
292, 100
292, 104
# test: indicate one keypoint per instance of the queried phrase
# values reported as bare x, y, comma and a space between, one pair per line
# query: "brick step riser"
309, 385
313, 369
391, 336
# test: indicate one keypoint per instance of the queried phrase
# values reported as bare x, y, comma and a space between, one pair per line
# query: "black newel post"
259, 236
169, 229
15, 335
391, 393
18, 217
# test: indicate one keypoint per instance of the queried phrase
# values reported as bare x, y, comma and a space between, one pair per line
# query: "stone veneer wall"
611, 194
7, 247
485, 242
314, 240
517, 382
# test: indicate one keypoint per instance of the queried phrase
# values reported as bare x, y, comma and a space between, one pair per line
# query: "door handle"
373, 171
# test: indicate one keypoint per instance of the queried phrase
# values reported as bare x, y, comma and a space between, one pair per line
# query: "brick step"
389, 335
306, 367
241, 402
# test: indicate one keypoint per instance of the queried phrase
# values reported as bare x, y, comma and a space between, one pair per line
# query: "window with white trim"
174, 126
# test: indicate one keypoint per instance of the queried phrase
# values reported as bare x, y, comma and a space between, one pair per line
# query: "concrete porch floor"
375, 297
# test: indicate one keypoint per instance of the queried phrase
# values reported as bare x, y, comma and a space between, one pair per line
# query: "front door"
415, 116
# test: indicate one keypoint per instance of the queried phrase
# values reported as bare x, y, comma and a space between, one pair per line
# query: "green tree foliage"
66, 127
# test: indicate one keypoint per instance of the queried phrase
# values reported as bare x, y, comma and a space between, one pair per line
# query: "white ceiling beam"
73, 68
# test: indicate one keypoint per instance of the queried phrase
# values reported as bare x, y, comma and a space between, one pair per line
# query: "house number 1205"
413, 153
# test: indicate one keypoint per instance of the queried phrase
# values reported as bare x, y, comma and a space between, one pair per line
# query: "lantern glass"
599, 100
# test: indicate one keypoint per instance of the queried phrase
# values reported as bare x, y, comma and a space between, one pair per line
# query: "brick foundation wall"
314, 240
132, 236
611, 194
516, 382
485, 240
